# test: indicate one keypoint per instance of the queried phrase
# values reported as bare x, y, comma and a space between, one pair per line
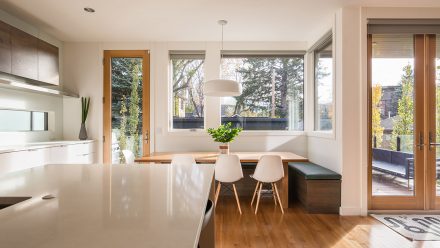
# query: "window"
324, 86
273, 91
187, 90
20, 120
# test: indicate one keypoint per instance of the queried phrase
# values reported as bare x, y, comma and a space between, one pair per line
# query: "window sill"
322, 134
186, 132
203, 132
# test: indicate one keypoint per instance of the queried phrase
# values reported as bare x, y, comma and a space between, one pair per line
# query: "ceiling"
184, 20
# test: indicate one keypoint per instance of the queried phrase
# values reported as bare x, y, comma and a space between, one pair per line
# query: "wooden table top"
211, 157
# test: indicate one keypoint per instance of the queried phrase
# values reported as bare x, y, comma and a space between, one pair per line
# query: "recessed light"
88, 9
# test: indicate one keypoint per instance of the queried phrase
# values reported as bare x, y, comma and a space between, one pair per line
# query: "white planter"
224, 148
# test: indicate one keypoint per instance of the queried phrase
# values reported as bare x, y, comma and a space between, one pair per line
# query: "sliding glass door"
404, 121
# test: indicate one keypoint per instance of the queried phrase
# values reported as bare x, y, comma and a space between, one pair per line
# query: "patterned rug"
413, 227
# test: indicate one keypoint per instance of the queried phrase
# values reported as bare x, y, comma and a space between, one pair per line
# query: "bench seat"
317, 188
312, 171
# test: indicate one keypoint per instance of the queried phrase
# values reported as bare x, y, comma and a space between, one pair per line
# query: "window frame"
183, 54
322, 43
272, 54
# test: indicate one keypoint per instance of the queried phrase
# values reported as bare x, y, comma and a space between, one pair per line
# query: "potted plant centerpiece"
224, 134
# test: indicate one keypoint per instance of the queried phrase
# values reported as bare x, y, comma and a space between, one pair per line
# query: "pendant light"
222, 87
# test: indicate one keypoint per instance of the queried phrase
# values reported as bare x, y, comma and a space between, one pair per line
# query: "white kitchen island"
105, 206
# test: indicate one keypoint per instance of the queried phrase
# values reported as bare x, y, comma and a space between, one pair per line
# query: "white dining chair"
183, 159
228, 170
269, 170
129, 156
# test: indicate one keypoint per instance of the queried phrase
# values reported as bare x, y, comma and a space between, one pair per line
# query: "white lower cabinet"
72, 154
82, 153
15, 161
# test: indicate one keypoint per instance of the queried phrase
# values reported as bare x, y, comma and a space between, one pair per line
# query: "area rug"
413, 227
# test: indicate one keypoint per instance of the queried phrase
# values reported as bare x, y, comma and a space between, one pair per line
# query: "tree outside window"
187, 92
273, 92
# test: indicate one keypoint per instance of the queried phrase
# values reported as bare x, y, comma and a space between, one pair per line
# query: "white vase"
224, 148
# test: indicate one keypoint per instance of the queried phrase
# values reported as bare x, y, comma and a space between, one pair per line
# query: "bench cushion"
313, 171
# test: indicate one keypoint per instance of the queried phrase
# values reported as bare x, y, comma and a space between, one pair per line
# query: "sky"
388, 71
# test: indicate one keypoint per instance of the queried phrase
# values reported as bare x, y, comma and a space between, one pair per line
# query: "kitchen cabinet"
24, 51
48, 63
81, 153
16, 161
25, 55
72, 154
5, 48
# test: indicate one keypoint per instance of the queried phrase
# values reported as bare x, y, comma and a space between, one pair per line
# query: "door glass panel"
437, 111
126, 121
392, 114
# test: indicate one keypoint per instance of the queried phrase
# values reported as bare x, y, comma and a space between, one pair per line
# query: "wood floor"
269, 228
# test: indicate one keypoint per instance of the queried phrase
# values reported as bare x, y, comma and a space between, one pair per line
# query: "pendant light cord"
221, 50
222, 38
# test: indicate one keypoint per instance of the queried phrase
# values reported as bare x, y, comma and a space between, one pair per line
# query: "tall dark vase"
83, 132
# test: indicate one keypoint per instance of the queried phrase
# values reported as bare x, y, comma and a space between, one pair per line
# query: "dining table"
245, 157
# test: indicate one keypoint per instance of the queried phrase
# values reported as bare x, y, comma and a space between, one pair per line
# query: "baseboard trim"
347, 211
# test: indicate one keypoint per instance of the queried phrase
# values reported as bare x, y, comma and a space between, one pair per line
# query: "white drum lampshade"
222, 87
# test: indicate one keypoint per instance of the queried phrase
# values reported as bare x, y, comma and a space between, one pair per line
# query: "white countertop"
105, 206
40, 145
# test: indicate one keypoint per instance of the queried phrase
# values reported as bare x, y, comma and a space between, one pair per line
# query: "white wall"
13, 99
349, 133
322, 145
83, 73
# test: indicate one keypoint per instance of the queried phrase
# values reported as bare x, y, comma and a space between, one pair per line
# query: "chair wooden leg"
279, 200
274, 194
236, 198
258, 198
217, 193
255, 192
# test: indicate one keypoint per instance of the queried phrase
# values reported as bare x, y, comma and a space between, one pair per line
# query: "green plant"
85, 103
224, 133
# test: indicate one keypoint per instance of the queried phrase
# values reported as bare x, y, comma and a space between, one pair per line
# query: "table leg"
284, 186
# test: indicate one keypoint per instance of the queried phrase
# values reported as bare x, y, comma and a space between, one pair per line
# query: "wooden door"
432, 72
126, 104
404, 163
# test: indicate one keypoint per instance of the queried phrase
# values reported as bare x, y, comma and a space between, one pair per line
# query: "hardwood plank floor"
269, 228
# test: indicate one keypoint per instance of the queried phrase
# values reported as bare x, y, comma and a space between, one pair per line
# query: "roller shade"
323, 42
174, 54
403, 26
261, 54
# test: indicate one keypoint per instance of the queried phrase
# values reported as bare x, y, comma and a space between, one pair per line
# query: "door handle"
147, 138
421, 141
432, 144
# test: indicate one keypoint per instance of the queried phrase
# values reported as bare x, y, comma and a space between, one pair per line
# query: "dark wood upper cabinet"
48, 63
24, 54
5, 47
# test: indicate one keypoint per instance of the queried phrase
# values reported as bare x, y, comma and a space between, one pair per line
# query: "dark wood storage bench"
315, 187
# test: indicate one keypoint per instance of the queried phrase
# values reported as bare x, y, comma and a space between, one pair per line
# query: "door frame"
418, 200
107, 99
432, 200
